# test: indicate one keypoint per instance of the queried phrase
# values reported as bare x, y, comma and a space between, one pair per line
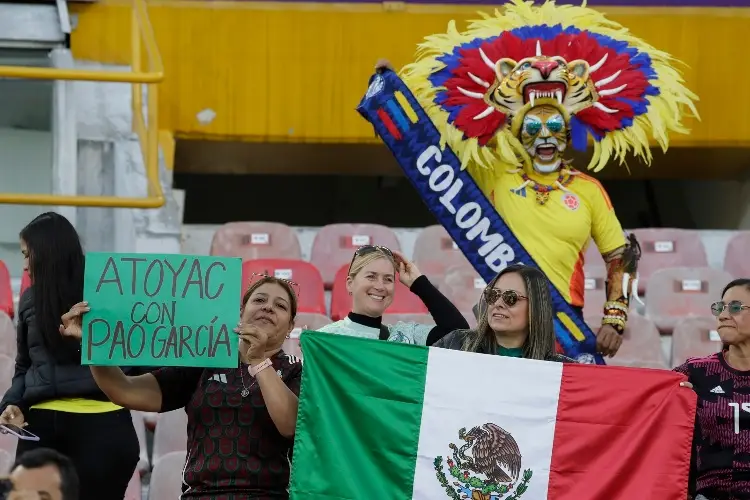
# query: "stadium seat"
661, 248
8, 444
736, 262
25, 283
6, 462
305, 321
8, 344
675, 293
150, 418
463, 286
6, 290
334, 245
594, 285
256, 240
170, 434
7, 369
694, 338
311, 293
404, 301
140, 430
435, 251
134, 491
166, 478
593, 258
641, 343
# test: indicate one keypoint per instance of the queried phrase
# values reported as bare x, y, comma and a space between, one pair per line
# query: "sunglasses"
258, 276
367, 249
509, 297
734, 307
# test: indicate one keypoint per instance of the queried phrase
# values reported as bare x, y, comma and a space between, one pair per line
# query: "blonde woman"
371, 282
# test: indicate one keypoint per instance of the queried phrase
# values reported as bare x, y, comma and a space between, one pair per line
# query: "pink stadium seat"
675, 293
7, 369
694, 338
334, 245
435, 251
150, 418
470, 319
641, 343
668, 248
404, 301
593, 258
256, 240
8, 444
134, 491
170, 434
140, 430
166, 479
6, 290
6, 462
311, 293
463, 286
305, 321
8, 345
25, 282
736, 262
595, 293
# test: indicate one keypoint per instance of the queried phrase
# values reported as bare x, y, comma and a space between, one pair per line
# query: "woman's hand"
71, 320
407, 271
686, 384
252, 344
13, 415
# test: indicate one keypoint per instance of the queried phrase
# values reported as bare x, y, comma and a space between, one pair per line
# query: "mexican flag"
387, 421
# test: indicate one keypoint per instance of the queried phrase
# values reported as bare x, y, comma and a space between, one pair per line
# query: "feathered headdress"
634, 91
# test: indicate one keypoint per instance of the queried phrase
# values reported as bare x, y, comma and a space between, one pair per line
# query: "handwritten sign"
161, 310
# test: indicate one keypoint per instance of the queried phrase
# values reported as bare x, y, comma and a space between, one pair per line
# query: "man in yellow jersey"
513, 92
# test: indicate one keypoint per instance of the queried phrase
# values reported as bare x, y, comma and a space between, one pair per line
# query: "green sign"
161, 310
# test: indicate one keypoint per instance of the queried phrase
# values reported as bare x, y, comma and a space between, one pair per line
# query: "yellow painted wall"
295, 72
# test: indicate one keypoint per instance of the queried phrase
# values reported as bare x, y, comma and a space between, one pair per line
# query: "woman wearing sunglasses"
515, 318
720, 468
371, 282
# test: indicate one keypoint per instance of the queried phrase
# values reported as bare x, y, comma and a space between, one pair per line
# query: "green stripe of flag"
351, 389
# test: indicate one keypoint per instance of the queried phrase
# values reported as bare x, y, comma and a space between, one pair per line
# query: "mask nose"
545, 67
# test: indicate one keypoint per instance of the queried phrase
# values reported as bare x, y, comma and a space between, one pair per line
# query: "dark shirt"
720, 468
234, 451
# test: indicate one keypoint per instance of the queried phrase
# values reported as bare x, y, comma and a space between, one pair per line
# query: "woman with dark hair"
720, 467
515, 318
51, 392
241, 421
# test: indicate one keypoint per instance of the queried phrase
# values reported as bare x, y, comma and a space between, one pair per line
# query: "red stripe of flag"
392, 128
599, 439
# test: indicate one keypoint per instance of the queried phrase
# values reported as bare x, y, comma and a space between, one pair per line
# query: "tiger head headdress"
480, 85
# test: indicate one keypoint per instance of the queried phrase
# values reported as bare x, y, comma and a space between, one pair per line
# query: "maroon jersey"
720, 468
234, 451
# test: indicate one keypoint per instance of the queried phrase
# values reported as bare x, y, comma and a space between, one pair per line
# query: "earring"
350, 294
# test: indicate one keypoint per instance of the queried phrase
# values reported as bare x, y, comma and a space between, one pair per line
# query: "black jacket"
455, 341
38, 377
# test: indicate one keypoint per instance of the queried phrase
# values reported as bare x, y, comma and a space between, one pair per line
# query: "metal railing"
145, 127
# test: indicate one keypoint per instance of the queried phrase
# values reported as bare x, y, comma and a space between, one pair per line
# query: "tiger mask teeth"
534, 95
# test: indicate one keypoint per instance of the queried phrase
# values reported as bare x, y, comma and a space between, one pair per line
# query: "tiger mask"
520, 83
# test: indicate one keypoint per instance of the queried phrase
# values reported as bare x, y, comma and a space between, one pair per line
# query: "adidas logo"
219, 377
717, 390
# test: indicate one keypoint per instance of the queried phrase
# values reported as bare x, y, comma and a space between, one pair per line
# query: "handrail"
145, 127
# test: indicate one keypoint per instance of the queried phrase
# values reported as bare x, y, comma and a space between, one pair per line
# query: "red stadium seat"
140, 430
334, 245
641, 343
694, 338
675, 293
256, 240
663, 248
736, 262
8, 344
166, 479
170, 435
435, 251
404, 301
311, 293
25, 282
463, 286
6, 291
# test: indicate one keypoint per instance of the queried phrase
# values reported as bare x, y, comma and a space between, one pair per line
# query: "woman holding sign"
241, 421
52, 395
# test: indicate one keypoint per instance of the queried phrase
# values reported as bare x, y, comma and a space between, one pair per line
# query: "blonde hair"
362, 261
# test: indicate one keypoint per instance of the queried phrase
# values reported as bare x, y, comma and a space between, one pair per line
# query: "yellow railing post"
146, 128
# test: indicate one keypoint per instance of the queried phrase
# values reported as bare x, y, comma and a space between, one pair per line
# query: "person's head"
732, 312
54, 259
544, 136
47, 472
519, 310
372, 280
271, 304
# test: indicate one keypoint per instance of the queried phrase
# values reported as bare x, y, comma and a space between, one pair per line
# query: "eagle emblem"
492, 471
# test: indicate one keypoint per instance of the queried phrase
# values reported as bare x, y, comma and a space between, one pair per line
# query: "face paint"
544, 137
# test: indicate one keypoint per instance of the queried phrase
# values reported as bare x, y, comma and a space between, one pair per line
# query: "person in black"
51, 393
371, 283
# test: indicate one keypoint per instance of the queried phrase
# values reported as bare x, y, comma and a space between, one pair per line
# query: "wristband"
254, 370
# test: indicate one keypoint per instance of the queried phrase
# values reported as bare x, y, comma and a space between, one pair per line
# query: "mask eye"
554, 124
524, 66
532, 128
